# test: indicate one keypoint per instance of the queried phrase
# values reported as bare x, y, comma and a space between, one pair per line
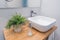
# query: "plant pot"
17, 28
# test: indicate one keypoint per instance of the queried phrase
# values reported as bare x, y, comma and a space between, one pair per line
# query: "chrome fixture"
32, 12
30, 26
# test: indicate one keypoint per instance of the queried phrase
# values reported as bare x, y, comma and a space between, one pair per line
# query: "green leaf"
15, 20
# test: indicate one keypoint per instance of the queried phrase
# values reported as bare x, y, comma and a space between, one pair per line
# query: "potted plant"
17, 21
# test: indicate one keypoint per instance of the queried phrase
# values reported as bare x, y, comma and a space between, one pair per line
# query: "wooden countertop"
10, 35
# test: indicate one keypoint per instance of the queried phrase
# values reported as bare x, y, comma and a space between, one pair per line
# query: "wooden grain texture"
10, 35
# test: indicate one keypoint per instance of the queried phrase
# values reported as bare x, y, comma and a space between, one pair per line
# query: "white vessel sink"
42, 23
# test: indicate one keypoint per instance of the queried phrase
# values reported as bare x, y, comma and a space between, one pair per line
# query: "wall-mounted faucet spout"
32, 12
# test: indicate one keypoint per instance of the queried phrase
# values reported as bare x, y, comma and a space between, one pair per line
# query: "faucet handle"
35, 13
32, 11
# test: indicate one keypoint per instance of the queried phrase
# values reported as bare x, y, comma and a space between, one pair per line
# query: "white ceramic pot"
17, 28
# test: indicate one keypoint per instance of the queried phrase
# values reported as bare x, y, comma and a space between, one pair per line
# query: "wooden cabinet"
10, 35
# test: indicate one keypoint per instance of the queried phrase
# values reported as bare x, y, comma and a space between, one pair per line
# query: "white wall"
33, 3
51, 8
7, 13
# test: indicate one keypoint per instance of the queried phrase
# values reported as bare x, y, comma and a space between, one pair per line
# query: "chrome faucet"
32, 12
30, 26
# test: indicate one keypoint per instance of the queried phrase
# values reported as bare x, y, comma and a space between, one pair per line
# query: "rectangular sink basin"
42, 23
